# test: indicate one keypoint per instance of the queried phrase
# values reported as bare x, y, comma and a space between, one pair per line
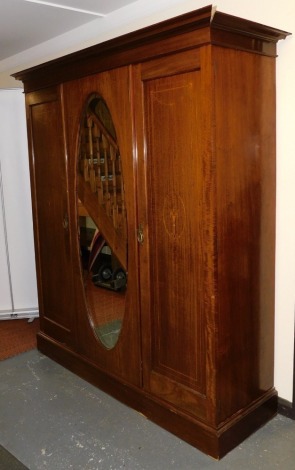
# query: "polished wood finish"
174, 311
186, 31
193, 104
245, 199
51, 211
123, 361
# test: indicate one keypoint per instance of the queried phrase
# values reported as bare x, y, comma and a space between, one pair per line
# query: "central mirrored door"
102, 221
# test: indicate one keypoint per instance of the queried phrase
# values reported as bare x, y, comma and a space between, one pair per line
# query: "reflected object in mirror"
102, 202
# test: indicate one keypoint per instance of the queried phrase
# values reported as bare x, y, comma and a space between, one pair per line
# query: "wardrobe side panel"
245, 168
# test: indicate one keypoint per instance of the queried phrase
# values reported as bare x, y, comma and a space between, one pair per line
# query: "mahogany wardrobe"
152, 160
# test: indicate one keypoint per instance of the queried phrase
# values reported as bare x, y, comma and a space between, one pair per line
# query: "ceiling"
27, 23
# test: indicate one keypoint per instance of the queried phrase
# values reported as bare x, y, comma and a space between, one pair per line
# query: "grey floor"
51, 419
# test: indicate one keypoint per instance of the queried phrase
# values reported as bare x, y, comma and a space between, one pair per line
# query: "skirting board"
286, 408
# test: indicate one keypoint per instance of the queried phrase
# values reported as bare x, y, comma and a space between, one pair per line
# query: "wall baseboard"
286, 408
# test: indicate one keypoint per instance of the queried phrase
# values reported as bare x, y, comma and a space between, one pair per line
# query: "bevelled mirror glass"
102, 221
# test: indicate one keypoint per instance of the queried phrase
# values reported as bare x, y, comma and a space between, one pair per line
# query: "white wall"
278, 14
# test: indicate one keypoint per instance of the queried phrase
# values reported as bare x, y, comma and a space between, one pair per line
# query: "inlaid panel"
174, 178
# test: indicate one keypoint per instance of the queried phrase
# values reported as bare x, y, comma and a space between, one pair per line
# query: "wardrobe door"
173, 218
50, 210
99, 128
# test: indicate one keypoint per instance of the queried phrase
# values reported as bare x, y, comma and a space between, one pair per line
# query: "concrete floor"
51, 419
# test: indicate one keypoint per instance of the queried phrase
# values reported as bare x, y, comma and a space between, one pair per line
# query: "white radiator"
18, 291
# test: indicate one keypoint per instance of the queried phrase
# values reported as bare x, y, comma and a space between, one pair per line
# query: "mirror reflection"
102, 222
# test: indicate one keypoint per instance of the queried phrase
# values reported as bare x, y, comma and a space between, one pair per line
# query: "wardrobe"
152, 160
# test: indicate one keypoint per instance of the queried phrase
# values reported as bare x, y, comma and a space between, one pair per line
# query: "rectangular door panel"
174, 222
174, 251
51, 212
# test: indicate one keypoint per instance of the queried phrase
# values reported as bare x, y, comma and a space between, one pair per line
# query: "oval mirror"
102, 222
